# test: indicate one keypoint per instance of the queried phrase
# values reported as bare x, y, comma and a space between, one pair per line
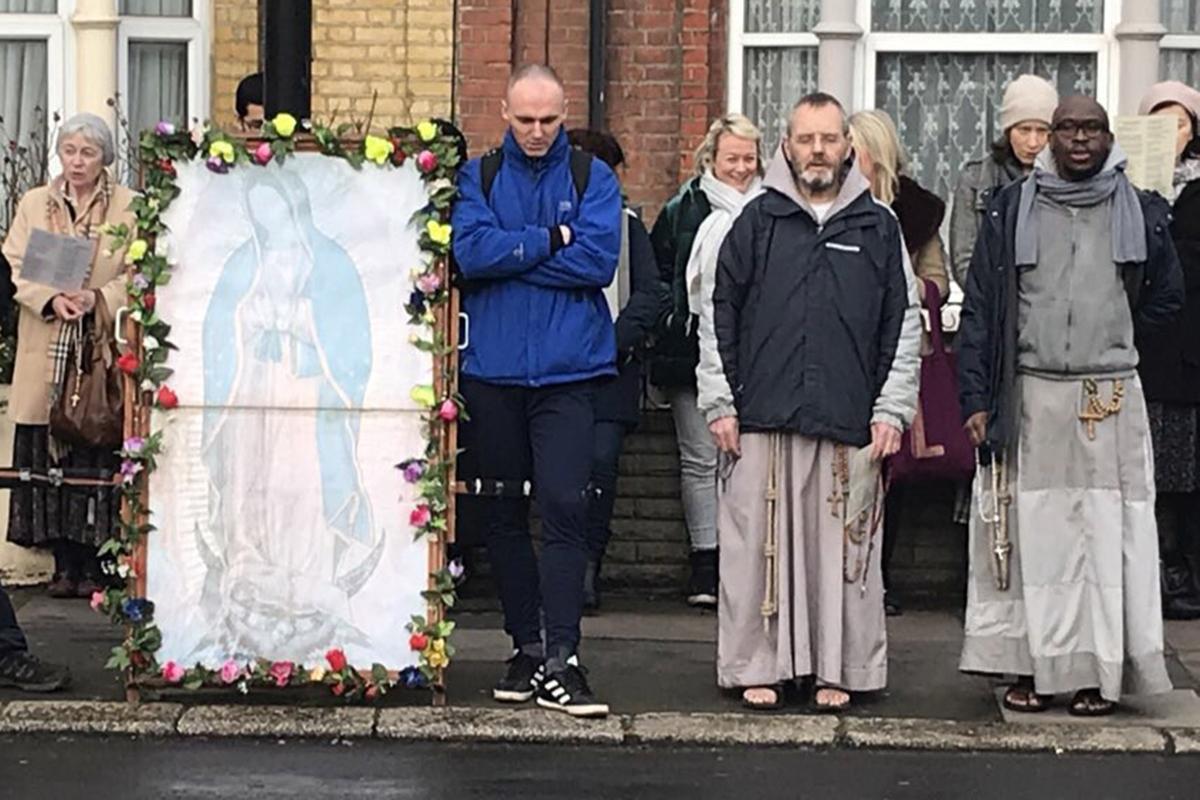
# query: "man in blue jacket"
537, 234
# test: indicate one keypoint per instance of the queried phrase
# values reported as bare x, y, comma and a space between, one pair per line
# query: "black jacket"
677, 349
1170, 358
808, 317
648, 304
987, 333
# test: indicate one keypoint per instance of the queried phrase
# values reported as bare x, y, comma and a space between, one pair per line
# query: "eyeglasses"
1091, 128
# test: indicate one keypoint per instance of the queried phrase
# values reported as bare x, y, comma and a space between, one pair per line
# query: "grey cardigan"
977, 182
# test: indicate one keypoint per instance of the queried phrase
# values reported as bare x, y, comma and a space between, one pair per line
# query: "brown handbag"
90, 409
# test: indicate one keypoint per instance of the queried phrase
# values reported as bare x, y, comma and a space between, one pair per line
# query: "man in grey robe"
817, 328
1063, 588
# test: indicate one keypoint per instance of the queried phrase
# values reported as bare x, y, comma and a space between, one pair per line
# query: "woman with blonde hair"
882, 159
729, 167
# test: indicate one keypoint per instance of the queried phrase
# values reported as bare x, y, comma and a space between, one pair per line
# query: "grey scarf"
1128, 223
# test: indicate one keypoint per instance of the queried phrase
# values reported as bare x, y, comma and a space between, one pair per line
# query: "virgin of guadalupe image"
286, 359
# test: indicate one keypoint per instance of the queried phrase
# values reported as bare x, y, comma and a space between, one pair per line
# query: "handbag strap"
933, 304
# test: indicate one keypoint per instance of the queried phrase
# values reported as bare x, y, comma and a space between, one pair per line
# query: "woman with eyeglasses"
1170, 369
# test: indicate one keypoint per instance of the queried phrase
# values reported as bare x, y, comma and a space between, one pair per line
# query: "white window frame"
740, 42
191, 31
56, 31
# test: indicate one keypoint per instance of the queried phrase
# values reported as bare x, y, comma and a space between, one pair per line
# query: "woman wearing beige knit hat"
1169, 366
1028, 105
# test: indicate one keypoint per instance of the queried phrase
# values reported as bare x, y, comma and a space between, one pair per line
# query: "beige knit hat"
1028, 97
1170, 92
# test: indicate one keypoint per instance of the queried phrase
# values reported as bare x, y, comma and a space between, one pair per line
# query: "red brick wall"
665, 76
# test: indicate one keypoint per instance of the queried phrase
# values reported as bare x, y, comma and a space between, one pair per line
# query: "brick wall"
400, 51
664, 81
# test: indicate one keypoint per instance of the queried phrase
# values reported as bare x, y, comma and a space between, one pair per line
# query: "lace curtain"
1181, 16
28, 6
782, 16
776, 77
989, 16
155, 8
946, 105
23, 98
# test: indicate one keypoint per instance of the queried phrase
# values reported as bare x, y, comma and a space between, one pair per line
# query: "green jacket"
677, 351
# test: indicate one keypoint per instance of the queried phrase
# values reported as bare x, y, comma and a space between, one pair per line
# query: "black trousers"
543, 435
11, 637
606, 458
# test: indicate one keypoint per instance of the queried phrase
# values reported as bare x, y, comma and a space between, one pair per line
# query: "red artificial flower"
167, 399
427, 161
336, 659
448, 411
128, 363
420, 516
149, 300
398, 154
372, 692
167, 166
418, 642
338, 689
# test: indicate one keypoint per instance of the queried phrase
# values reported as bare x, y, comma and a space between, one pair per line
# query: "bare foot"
831, 698
762, 697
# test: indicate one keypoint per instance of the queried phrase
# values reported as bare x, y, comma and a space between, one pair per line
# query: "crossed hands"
70, 306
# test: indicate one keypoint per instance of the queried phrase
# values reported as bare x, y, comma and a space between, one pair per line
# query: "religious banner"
287, 492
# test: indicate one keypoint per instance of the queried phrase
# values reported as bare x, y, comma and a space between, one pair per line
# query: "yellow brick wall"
401, 49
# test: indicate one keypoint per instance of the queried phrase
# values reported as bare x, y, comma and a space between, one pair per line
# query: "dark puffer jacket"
1170, 359
677, 351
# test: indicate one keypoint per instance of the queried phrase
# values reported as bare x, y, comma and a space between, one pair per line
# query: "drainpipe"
597, 38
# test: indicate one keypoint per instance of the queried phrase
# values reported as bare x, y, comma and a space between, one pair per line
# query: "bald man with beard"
1068, 263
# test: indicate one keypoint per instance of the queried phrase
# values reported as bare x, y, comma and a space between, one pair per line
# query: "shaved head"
534, 106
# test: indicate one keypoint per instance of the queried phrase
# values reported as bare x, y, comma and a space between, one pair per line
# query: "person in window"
729, 167
248, 102
882, 161
1029, 101
79, 202
1170, 370
638, 301
1071, 261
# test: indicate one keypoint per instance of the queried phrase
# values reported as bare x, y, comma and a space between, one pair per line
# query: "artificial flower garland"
436, 157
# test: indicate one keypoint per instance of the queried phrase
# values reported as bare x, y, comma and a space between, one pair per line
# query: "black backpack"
581, 171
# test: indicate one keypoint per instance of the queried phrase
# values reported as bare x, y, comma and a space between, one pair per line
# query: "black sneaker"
30, 674
525, 674
702, 587
567, 690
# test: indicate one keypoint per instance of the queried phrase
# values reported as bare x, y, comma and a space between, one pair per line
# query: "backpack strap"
581, 170
489, 166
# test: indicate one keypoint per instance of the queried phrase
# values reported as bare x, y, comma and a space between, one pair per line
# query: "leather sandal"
1089, 703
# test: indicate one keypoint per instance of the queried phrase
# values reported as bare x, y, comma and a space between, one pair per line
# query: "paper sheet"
1149, 142
61, 262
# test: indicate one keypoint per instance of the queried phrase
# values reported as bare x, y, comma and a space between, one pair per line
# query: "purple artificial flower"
133, 445
129, 470
140, 282
164, 128
456, 569
413, 470
217, 165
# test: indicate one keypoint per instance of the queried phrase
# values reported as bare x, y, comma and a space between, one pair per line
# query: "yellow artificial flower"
317, 675
423, 396
427, 130
439, 232
284, 124
137, 250
223, 150
436, 656
378, 149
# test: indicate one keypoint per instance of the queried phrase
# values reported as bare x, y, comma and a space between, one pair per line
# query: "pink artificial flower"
429, 283
448, 410
97, 601
420, 516
263, 154
281, 671
230, 671
427, 161
172, 672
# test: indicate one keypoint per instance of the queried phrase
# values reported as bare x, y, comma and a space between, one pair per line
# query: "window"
776, 62
1180, 55
162, 55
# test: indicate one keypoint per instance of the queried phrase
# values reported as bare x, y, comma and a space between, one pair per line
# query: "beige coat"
28, 403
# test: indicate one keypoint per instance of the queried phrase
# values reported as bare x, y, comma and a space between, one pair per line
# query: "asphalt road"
63, 768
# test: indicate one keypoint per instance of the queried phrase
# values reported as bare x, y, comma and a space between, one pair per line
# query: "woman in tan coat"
80, 202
